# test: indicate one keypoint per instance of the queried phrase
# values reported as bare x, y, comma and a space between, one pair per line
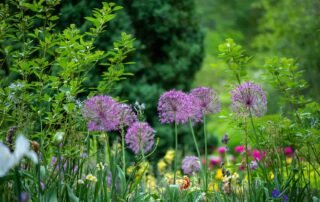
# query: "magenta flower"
215, 160
222, 150
190, 164
174, 106
140, 137
249, 98
207, 99
288, 151
239, 149
127, 116
256, 154
102, 113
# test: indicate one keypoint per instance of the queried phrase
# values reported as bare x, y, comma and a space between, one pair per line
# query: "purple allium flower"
253, 165
208, 100
190, 164
249, 97
174, 106
140, 137
102, 113
127, 116
225, 139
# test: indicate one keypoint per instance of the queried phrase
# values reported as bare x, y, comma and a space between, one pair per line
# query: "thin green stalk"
247, 166
205, 153
123, 151
18, 182
175, 151
194, 138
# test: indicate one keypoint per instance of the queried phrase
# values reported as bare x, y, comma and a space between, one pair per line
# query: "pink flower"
215, 160
222, 150
256, 154
288, 151
239, 149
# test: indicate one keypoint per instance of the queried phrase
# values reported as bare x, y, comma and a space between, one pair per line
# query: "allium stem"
194, 138
205, 153
123, 151
18, 182
175, 150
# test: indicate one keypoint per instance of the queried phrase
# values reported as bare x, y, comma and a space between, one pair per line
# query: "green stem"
18, 182
205, 153
123, 151
175, 151
194, 139
247, 166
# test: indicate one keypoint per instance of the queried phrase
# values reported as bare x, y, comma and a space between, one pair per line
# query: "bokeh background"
177, 47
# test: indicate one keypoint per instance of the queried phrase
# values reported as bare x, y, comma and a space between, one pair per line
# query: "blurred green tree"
169, 44
291, 28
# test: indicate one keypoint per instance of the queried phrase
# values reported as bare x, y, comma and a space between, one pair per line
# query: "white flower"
8, 160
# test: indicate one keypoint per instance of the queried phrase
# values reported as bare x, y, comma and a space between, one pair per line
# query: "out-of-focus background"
177, 47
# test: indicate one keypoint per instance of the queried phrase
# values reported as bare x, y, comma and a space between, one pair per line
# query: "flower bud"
58, 137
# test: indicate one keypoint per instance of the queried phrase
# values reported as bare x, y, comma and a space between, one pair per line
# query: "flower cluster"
177, 106
190, 164
140, 137
105, 114
249, 98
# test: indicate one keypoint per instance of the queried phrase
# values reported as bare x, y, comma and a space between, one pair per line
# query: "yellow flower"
219, 174
161, 166
151, 182
288, 160
100, 166
235, 175
130, 170
169, 177
271, 175
91, 178
169, 156
213, 187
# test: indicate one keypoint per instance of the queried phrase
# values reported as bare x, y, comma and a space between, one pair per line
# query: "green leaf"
71, 195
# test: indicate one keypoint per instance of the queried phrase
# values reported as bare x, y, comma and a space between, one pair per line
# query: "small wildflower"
271, 175
161, 166
288, 151
100, 166
185, 183
80, 181
288, 160
169, 156
222, 150
225, 139
91, 178
253, 165
219, 174
239, 149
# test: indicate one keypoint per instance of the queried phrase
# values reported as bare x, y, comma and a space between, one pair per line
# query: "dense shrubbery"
78, 150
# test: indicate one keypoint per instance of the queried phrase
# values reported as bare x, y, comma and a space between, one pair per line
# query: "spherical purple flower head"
140, 137
190, 164
208, 100
174, 106
249, 97
102, 113
127, 116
